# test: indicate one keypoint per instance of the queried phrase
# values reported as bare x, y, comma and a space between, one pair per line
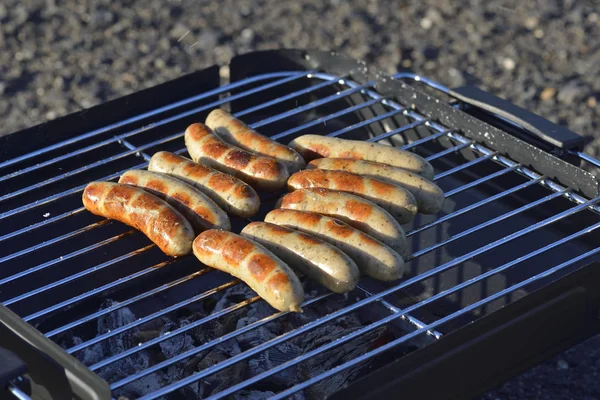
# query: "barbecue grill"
502, 278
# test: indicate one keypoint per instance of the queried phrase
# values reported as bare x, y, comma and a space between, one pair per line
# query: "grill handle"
545, 130
54, 374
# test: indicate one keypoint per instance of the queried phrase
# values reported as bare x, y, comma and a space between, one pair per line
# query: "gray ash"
242, 370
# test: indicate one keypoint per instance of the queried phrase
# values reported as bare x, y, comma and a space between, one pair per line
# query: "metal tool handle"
545, 130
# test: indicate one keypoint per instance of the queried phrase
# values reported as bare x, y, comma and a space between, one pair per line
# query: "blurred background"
63, 56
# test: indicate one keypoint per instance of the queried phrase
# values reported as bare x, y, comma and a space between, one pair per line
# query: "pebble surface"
60, 57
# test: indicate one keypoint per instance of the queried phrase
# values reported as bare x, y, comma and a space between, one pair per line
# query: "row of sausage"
341, 219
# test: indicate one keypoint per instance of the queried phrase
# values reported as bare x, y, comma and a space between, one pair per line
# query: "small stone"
547, 94
538, 33
562, 364
406, 63
593, 17
531, 22
426, 23
508, 63
592, 102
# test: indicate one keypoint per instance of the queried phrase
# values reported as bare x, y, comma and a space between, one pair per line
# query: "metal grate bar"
398, 130
66, 257
451, 150
120, 138
152, 316
366, 122
323, 120
486, 224
310, 106
289, 96
410, 319
125, 303
388, 319
149, 114
87, 167
53, 241
289, 335
182, 329
102, 162
474, 206
40, 224
101, 289
62, 194
463, 166
433, 325
481, 180
210, 344
78, 275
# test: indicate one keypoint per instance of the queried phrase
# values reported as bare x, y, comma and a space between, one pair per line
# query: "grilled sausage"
399, 202
428, 195
234, 131
356, 211
231, 194
261, 172
249, 261
315, 146
197, 208
313, 257
373, 258
160, 222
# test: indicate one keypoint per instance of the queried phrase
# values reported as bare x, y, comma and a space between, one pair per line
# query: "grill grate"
74, 271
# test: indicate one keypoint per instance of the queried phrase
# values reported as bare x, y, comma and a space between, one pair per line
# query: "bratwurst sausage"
355, 211
234, 131
313, 257
160, 222
315, 146
428, 195
231, 194
197, 208
261, 172
373, 258
249, 261
399, 202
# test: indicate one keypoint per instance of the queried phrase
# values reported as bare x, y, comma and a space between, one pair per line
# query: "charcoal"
338, 355
273, 357
226, 377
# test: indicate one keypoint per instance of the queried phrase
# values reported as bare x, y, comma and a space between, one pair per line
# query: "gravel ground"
59, 57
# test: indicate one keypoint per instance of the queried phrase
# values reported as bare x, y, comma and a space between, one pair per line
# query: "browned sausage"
313, 257
356, 211
315, 146
229, 193
261, 172
160, 222
200, 211
247, 260
373, 258
429, 196
234, 131
399, 202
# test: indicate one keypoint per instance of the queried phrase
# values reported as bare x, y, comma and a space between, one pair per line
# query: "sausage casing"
355, 211
399, 202
196, 207
316, 146
313, 257
230, 193
249, 261
160, 222
372, 257
262, 172
234, 131
429, 197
